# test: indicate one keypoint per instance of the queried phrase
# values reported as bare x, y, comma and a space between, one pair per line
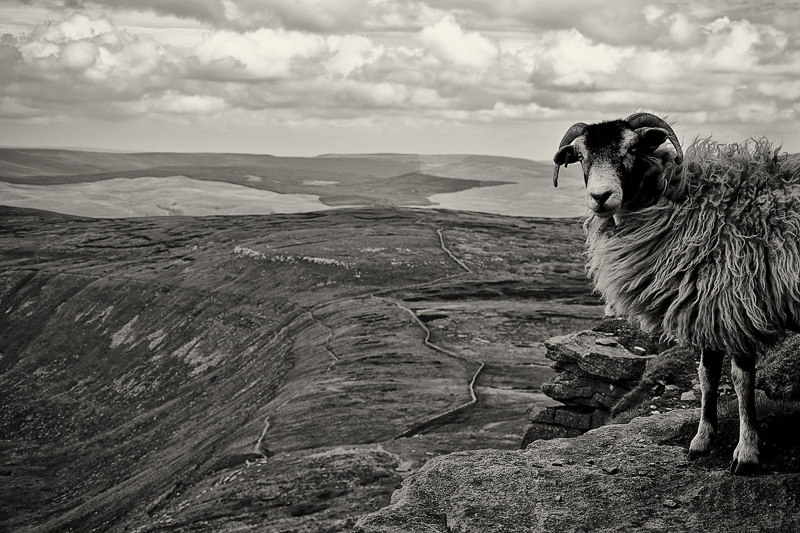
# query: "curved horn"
644, 120
575, 131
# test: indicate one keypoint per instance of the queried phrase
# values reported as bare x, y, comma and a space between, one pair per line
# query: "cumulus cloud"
450, 42
455, 61
258, 55
91, 49
569, 60
350, 52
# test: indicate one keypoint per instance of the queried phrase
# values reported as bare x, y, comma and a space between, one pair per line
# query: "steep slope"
222, 373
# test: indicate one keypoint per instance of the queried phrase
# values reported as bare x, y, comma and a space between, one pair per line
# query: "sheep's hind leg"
745, 457
709, 373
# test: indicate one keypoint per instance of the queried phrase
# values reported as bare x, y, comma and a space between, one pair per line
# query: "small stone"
672, 387
610, 470
606, 342
688, 396
656, 412
638, 350
559, 498
557, 463
672, 504
653, 407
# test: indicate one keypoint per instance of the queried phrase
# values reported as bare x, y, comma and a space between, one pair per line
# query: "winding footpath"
458, 261
433, 421
444, 417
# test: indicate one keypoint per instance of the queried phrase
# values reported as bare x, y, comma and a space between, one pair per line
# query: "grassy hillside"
253, 373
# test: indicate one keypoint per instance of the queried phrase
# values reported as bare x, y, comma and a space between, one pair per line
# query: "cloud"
258, 55
452, 44
78, 65
350, 52
459, 62
209, 11
172, 102
571, 61
91, 48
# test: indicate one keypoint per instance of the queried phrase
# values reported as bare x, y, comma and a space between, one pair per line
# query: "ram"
704, 250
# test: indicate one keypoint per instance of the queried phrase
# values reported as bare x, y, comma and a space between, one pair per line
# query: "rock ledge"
594, 371
615, 478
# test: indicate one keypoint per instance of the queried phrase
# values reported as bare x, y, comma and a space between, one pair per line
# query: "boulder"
580, 354
570, 389
594, 371
618, 478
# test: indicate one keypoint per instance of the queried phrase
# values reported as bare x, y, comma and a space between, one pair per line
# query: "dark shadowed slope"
251, 373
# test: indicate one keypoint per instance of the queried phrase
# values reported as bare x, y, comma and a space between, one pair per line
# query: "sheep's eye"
633, 149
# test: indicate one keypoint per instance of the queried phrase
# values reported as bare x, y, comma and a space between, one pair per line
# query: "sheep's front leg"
745, 457
709, 373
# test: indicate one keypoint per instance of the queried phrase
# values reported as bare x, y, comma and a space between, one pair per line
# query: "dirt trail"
441, 418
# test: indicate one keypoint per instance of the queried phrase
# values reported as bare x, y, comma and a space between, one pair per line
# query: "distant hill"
518, 186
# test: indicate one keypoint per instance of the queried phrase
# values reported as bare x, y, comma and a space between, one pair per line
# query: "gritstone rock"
652, 488
594, 372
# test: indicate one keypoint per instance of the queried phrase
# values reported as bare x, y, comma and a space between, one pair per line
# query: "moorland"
283, 371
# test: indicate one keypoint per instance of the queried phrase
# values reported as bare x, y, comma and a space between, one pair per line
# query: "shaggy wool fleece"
720, 267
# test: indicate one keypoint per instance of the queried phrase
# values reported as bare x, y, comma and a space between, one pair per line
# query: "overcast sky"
305, 77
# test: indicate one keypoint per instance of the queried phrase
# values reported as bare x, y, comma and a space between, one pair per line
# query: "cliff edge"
627, 477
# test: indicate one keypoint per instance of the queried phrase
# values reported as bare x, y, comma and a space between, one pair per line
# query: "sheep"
704, 251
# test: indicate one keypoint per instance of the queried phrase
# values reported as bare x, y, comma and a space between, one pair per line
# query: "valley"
103, 185
273, 373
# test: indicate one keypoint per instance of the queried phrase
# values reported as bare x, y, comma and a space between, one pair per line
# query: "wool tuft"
715, 261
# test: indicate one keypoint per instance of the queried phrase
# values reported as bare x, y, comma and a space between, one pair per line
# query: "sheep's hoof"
701, 443
744, 468
697, 454
745, 460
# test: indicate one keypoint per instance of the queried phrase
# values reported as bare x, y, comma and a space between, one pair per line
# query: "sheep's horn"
575, 131
644, 120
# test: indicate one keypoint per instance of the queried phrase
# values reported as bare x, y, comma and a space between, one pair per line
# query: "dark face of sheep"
620, 168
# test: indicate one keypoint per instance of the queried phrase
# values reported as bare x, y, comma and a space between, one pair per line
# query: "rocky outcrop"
594, 372
778, 372
618, 478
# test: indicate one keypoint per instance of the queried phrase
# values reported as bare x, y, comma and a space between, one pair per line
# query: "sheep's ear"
566, 155
651, 138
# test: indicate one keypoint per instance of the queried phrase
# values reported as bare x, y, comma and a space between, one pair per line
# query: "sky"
307, 77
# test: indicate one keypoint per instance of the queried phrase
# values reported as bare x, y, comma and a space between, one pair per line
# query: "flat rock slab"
580, 353
570, 389
618, 478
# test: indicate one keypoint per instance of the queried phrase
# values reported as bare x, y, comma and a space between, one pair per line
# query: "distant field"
141, 197
146, 184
